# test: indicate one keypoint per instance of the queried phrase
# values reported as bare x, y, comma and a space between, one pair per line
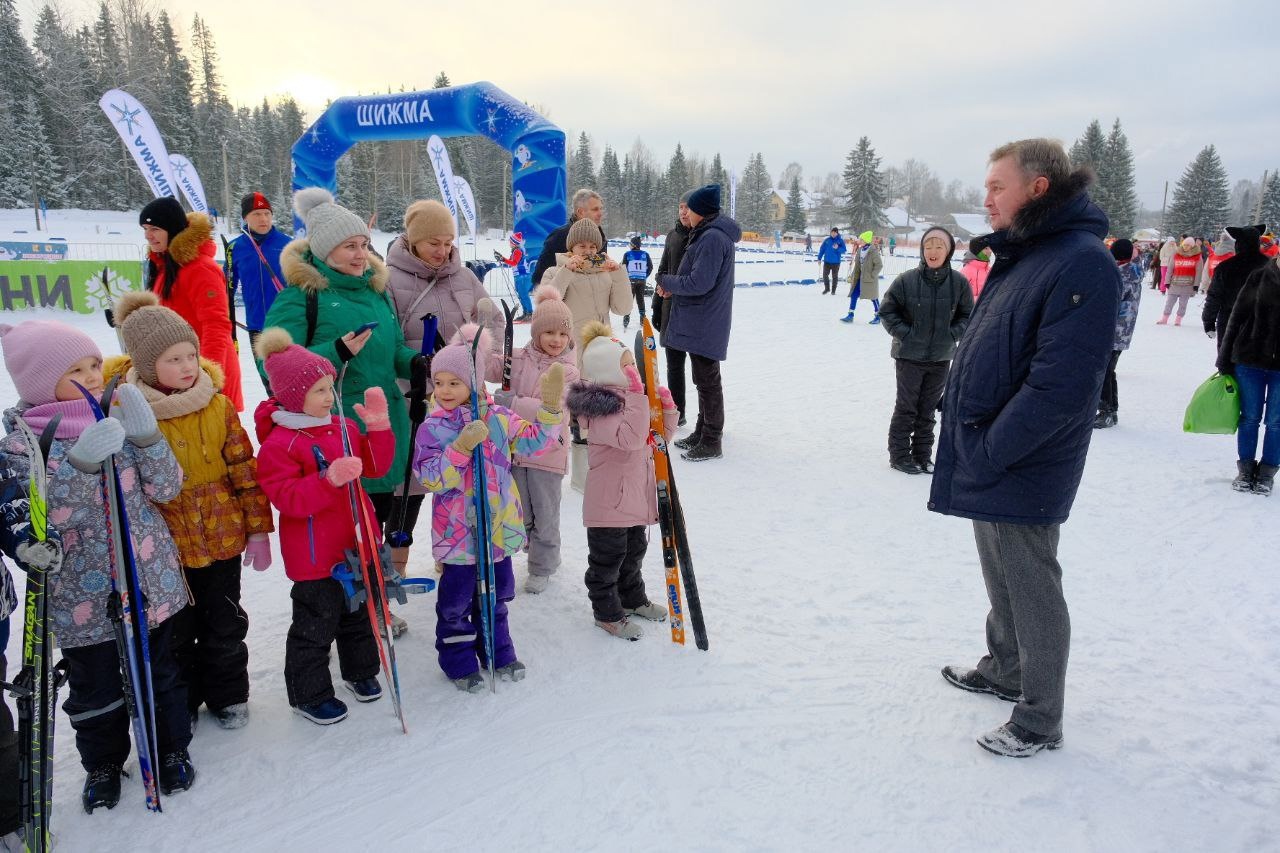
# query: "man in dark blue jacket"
831, 255
702, 312
255, 262
1017, 416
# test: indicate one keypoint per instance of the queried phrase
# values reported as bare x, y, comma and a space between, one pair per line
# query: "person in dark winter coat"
1132, 266
660, 311
831, 256
1230, 276
587, 204
1250, 351
926, 311
1017, 417
703, 313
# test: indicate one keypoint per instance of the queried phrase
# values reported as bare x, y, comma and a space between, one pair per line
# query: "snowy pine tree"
1091, 150
1270, 211
611, 192
864, 187
1116, 183
755, 189
1201, 202
676, 182
582, 171
795, 208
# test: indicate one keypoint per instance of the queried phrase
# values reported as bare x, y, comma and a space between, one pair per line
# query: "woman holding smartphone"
336, 305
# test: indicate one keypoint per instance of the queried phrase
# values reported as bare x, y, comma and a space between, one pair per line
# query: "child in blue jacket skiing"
639, 267
46, 360
442, 462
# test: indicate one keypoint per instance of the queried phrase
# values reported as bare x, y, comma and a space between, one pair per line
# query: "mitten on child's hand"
551, 387
374, 411
45, 556
257, 552
633, 378
98, 441
135, 413
664, 394
471, 436
343, 470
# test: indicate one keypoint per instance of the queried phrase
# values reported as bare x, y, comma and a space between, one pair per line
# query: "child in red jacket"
316, 525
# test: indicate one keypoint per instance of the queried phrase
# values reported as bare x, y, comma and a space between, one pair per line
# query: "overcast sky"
943, 82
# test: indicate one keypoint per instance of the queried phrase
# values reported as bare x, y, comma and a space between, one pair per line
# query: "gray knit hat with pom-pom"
328, 223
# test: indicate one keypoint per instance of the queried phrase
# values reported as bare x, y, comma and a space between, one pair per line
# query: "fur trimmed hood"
1039, 215
592, 400
296, 262
185, 247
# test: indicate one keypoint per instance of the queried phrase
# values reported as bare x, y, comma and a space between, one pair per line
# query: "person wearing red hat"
255, 261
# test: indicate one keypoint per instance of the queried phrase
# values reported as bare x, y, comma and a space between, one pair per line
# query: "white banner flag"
733, 194
189, 182
466, 203
132, 121
444, 176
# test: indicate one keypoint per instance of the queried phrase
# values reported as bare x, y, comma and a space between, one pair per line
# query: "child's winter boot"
176, 772
1164, 318
848, 318
623, 629
514, 671
1177, 321
649, 611
473, 683
101, 787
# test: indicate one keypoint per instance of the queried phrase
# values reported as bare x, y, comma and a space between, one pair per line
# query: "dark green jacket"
344, 303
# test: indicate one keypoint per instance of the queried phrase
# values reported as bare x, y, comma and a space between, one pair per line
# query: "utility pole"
226, 183
1163, 205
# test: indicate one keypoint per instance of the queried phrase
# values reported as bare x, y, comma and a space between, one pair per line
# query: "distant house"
900, 224
966, 226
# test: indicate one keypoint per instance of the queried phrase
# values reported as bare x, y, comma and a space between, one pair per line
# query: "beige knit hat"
583, 231
426, 219
147, 329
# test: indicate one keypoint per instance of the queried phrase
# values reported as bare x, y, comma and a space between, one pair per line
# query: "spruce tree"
1116, 182
677, 181
611, 189
1270, 212
864, 187
755, 189
1091, 150
582, 170
1201, 202
795, 208
17, 66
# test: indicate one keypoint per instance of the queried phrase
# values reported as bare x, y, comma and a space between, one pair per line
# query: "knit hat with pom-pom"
328, 223
455, 358
147, 329
602, 355
38, 352
550, 314
292, 370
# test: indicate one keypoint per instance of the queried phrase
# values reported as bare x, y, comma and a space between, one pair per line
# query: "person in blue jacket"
1017, 417
639, 267
831, 255
255, 262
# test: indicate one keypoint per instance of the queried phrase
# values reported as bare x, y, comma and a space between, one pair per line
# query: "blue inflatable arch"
478, 109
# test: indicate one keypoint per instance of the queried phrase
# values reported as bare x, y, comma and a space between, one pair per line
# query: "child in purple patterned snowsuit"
442, 462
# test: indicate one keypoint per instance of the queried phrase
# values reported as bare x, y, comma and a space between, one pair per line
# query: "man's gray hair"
583, 197
1037, 157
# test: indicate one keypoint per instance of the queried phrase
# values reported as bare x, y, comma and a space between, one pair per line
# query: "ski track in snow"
818, 718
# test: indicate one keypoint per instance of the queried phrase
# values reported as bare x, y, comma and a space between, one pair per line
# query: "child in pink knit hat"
444, 463
316, 525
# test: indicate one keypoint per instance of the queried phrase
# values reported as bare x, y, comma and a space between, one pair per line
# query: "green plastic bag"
1214, 408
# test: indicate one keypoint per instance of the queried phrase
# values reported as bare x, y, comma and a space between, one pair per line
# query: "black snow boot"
1244, 480
702, 452
101, 787
689, 441
906, 465
176, 772
1266, 477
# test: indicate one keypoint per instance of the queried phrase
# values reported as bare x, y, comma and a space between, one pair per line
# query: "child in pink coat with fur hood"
621, 498
539, 477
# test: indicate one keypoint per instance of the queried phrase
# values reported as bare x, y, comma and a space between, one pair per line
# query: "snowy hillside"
818, 719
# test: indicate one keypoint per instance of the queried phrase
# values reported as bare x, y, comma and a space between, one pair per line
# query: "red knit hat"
292, 370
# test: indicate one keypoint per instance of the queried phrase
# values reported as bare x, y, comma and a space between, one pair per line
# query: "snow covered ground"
818, 719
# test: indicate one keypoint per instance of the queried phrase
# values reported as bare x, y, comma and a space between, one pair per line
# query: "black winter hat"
1122, 250
705, 201
252, 202
165, 213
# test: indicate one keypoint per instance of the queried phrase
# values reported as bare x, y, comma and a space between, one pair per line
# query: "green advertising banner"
85, 287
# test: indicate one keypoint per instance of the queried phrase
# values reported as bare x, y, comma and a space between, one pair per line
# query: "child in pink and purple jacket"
621, 499
442, 462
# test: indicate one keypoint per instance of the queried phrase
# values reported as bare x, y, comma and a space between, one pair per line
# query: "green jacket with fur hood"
344, 303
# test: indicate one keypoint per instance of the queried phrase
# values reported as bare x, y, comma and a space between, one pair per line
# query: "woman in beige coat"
593, 284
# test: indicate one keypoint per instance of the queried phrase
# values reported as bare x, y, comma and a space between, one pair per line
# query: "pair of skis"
36, 687
676, 556
486, 580
127, 610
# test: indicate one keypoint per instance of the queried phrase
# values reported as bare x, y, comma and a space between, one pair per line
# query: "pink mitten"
374, 411
343, 470
664, 394
257, 552
633, 376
